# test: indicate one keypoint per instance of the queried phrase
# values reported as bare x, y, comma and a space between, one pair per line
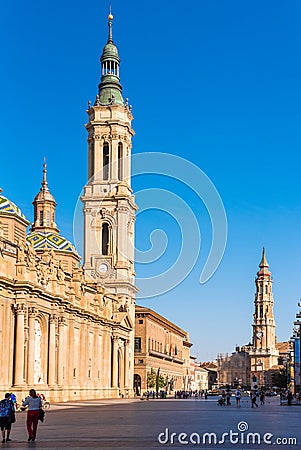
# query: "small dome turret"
44, 207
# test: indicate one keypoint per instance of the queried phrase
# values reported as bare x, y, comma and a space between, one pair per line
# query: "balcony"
166, 357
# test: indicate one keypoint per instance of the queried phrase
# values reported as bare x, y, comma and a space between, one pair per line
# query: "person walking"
7, 417
262, 398
238, 398
289, 397
253, 398
34, 405
228, 398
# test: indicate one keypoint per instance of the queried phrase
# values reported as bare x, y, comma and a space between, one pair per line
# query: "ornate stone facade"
234, 369
68, 330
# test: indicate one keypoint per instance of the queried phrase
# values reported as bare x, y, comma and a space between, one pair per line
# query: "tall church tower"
264, 353
109, 207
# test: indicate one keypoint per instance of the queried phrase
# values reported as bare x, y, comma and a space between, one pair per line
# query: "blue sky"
215, 82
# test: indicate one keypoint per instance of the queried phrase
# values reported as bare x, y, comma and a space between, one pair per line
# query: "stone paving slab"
135, 424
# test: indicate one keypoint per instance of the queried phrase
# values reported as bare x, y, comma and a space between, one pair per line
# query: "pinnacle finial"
44, 170
110, 17
44, 182
263, 262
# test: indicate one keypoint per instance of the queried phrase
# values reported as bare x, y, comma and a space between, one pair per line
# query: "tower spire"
44, 181
263, 266
263, 262
109, 88
110, 23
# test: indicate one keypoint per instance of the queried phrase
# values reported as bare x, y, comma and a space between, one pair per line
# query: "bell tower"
264, 353
108, 203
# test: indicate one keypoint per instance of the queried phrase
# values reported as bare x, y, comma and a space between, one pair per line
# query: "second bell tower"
109, 206
264, 353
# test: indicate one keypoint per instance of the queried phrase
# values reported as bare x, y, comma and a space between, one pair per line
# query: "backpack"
5, 408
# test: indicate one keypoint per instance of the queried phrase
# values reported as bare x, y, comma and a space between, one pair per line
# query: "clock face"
102, 268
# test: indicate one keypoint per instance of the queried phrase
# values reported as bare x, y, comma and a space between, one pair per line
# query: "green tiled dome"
43, 241
8, 207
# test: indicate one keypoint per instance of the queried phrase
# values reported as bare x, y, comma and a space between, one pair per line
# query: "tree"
160, 381
279, 379
155, 380
151, 379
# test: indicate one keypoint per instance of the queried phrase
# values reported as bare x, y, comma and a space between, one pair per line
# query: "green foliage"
151, 379
155, 380
160, 382
279, 379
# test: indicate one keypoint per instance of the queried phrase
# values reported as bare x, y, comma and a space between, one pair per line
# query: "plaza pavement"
135, 424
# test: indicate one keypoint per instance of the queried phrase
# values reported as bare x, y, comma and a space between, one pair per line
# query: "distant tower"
264, 353
109, 207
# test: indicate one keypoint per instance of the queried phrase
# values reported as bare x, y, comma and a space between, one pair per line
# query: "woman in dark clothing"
253, 398
34, 404
7, 417
262, 398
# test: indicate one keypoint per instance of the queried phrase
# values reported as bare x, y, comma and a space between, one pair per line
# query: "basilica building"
68, 329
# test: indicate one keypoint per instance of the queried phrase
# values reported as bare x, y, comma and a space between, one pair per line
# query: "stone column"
98, 152
31, 345
115, 362
51, 350
19, 345
122, 226
127, 163
70, 351
105, 374
114, 161
126, 364
61, 351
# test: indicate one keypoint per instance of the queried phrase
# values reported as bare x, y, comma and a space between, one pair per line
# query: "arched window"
105, 238
261, 311
41, 218
266, 289
120, 161
105, 160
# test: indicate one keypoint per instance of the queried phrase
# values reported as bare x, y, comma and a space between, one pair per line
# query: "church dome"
42, 241
8, 207
43, 196
110, 50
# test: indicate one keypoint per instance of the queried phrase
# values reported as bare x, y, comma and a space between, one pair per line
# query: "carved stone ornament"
20, 308
60, 274
93, 274
21, 251
31, 255
43, 273
31, 311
